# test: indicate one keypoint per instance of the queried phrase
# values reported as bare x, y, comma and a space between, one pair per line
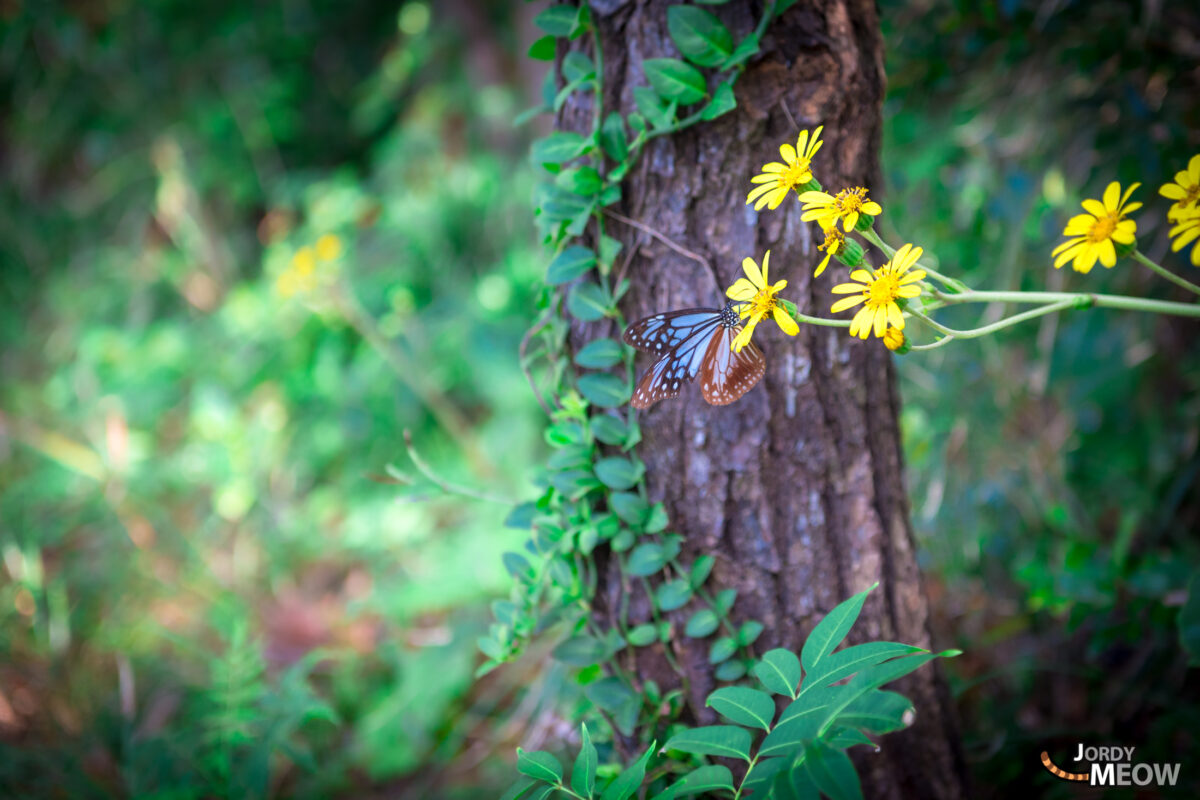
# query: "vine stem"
1140, 257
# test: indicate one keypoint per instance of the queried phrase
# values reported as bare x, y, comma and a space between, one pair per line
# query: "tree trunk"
798, 488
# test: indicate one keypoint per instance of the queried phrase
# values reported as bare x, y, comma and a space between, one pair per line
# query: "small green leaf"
672, 595
850, 660
609, 693
674, 80
539, 765
609, 430
557, 147
583, 773
646, 559
724, 601
729, 741
619, 473
577, 66
630, 507
749, 632
831, 630
599, 354
629, 781
517, 566
702, 623
613, 138
730, 671
744, 706
543, 49
584, 181
779, 671
660, 115
701, 37
848, 737
580, 651
521, 516
490, 647
709, 778
701, 568
722, 650
643, 635
609, 249
722, 103
588, 302
745, 50
657, 519
558, 20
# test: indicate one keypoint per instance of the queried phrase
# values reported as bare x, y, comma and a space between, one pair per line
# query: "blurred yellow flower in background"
1093, 236
307, 270
1187, 231
1185, 191
778, 179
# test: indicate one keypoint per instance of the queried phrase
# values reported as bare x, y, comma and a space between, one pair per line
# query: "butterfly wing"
725, 375
663, 332
682, 338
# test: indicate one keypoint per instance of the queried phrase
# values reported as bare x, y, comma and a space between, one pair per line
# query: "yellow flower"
835, 240
1091, 236
846, 205
778, 179
329, 247
1185, 191
757, 298
879, 293
1186, 231
893, 338
303, 261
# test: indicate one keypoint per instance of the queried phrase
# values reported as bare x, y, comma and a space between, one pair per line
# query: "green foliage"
835, 702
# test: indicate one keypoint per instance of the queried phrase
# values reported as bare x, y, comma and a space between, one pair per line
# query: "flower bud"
850, 254
1124, 250
813, 185
895, 340
865, 221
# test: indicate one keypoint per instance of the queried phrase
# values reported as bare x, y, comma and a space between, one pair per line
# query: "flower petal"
1172, 192
741, 289
881, 318
766, 265
1094, 207
1125, 197
846, 302
894, 316
788, 152
860, 326
1112, 196
824, 263
1108, 253
872, 208
752, 272
785, 322
1079, 225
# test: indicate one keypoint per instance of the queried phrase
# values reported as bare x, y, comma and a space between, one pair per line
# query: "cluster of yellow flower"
878, 291
310, 267
1104, 233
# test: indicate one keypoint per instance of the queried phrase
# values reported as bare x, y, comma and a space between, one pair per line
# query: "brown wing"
656, 384
725, 375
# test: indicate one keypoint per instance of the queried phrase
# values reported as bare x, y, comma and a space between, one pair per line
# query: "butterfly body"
694, 342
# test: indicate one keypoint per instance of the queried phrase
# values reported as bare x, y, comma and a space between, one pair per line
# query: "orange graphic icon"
1054, 770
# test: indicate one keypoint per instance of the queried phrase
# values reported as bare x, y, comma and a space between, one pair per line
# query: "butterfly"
691, 342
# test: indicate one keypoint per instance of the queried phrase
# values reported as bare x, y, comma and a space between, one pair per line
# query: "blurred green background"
244, 248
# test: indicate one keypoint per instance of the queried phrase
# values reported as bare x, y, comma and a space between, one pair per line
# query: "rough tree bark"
798, 488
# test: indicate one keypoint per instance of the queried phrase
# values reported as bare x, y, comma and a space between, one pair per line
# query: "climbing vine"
594, 498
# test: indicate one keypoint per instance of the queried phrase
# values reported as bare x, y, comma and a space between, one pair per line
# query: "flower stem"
1081, 299
974, 333
1162, 271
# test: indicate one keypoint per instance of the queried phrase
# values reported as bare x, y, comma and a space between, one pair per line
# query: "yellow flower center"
762, 303
1191, 196
850, 200
796, 172
834, 239
1103, 227
883, 290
